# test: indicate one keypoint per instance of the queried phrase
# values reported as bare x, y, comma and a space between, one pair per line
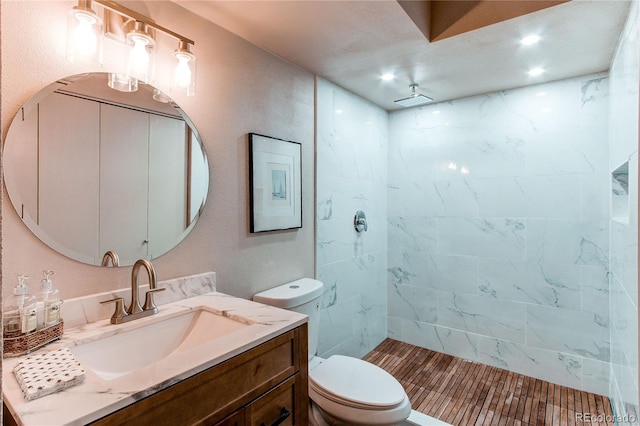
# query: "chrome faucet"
135, 310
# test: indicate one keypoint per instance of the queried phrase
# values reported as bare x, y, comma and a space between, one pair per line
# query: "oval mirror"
91, 170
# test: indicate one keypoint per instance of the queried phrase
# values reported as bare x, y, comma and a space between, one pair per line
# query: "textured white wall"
623, 136
241, 89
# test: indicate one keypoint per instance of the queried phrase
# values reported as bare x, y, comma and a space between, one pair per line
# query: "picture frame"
275, 184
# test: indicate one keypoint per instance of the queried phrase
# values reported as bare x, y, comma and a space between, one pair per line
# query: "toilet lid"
356, 382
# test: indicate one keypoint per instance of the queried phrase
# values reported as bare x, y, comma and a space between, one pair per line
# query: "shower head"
415, 99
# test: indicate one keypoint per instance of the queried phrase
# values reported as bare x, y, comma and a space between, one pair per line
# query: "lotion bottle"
29, 314
13, 315
50, 298
26, 306
20, 291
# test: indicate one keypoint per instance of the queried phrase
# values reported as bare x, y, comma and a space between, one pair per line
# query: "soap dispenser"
12, 321
20, 291
26, 306
50, 299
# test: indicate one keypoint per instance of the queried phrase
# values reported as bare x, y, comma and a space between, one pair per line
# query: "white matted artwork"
275, 183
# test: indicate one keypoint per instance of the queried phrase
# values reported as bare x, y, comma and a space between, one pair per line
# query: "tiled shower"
491, 235
510, 190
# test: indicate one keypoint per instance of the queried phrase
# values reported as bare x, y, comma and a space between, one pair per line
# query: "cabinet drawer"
275, 405
236, 419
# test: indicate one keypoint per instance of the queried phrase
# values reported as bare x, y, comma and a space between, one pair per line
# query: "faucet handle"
149, 305
119, 312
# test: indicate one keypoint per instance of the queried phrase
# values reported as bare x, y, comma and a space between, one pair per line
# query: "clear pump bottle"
26, 306
13, 314
21, 291
29, 314
50, 300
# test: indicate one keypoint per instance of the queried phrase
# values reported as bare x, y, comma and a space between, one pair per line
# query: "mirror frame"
16, 198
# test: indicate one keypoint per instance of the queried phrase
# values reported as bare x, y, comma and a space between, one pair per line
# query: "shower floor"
465, 393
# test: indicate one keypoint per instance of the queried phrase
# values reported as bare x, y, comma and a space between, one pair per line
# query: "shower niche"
620, 193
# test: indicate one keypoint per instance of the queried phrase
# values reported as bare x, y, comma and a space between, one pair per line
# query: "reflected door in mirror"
67, 205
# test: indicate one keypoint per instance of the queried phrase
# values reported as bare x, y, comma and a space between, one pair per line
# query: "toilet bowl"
342, 390
349, 391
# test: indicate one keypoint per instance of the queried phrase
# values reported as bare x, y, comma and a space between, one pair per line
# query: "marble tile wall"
498, 230
623, 136
351, 175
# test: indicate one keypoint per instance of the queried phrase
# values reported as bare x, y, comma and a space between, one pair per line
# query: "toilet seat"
333, 414
355, 383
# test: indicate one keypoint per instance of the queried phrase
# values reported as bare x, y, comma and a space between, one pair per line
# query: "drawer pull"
284, 415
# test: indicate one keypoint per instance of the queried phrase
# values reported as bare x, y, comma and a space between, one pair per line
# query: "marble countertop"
95, 397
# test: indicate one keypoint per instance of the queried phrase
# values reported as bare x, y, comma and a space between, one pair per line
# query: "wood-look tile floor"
466, 393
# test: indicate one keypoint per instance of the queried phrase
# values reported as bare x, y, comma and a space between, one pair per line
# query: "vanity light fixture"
184, 73
122, 82
160, 96
140, 53
84, 34
138, 33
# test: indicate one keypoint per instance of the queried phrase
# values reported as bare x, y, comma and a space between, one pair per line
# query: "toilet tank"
301, 296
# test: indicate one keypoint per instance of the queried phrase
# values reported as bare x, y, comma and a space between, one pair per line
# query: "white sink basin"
140, 346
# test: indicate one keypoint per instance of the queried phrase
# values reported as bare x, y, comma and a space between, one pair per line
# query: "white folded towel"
48, 372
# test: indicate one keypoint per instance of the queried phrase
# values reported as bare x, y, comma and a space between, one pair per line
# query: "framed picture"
275, 183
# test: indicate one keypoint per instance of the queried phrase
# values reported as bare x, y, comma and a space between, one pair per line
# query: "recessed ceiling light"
535, 71
388, 76
530, 39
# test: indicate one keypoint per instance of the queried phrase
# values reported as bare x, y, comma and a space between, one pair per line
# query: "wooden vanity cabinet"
255, 388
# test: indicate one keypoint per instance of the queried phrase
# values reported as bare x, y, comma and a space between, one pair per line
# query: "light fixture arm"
84, 5
121, 10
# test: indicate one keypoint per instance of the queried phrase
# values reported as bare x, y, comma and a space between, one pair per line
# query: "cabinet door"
69, 174
124, 178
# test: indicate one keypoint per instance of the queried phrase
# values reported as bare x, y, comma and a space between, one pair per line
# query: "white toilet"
343, 390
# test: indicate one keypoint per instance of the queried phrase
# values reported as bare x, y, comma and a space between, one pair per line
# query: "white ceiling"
352, 43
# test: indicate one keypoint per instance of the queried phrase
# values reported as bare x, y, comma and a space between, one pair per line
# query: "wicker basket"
16, 344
